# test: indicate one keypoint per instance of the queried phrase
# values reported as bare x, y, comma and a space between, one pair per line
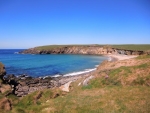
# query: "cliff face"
90, 50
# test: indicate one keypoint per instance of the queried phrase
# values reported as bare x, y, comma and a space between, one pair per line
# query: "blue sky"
30, 23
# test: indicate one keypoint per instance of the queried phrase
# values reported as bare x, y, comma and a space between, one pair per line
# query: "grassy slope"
49, 47
140, 47
126, 90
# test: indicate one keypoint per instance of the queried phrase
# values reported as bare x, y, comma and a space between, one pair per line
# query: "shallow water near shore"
47, 65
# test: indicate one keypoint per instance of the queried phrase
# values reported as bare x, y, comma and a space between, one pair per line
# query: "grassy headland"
137, 47
90, 49
50, 47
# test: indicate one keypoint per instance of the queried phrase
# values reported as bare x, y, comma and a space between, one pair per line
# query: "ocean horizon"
35, 65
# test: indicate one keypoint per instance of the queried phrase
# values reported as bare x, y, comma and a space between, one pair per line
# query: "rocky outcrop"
66, 87
27, 85
5, 88
23, 85
130, 52
2, 71
90, 50
86, 81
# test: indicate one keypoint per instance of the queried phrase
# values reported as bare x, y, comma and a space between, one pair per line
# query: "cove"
48, 64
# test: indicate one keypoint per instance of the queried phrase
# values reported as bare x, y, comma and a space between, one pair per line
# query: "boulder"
5, 89
66, 87
86, 81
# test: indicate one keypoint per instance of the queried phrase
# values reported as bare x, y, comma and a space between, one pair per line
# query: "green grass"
105, 100
95, 83
122, 76
51, 47
1, 96
139, 47
30, 104
130, 75
142, 66
143, 57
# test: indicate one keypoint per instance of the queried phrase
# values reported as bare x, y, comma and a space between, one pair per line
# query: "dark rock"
32, 81
24, 75
22, 83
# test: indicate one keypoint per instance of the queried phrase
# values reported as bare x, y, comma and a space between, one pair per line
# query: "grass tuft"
143, 57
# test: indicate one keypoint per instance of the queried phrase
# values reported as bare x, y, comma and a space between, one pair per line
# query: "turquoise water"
46, 65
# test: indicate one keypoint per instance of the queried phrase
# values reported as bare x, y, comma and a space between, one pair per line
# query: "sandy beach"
120, 57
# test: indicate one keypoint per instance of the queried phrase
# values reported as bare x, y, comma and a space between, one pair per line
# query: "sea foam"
80, 72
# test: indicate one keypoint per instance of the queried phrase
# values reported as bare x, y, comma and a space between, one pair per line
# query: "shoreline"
110, 58
66, 79
26, 84
74, 76
121, 57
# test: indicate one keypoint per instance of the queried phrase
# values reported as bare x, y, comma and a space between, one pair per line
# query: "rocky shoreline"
23, 85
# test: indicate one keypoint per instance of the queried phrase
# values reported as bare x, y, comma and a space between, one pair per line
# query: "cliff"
89, 50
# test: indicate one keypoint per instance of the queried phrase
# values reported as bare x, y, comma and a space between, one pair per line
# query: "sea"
49, 64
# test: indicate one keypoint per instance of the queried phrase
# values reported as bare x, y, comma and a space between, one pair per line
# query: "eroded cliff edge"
88, 50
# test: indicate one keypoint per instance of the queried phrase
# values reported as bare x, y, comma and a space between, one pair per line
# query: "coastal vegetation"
137, 47
51, 47
117, 86
90, 49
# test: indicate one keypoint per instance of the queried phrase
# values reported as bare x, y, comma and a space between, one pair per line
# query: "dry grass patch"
127, 72
106, 100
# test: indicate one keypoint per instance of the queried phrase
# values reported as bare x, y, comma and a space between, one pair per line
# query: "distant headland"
128, 49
